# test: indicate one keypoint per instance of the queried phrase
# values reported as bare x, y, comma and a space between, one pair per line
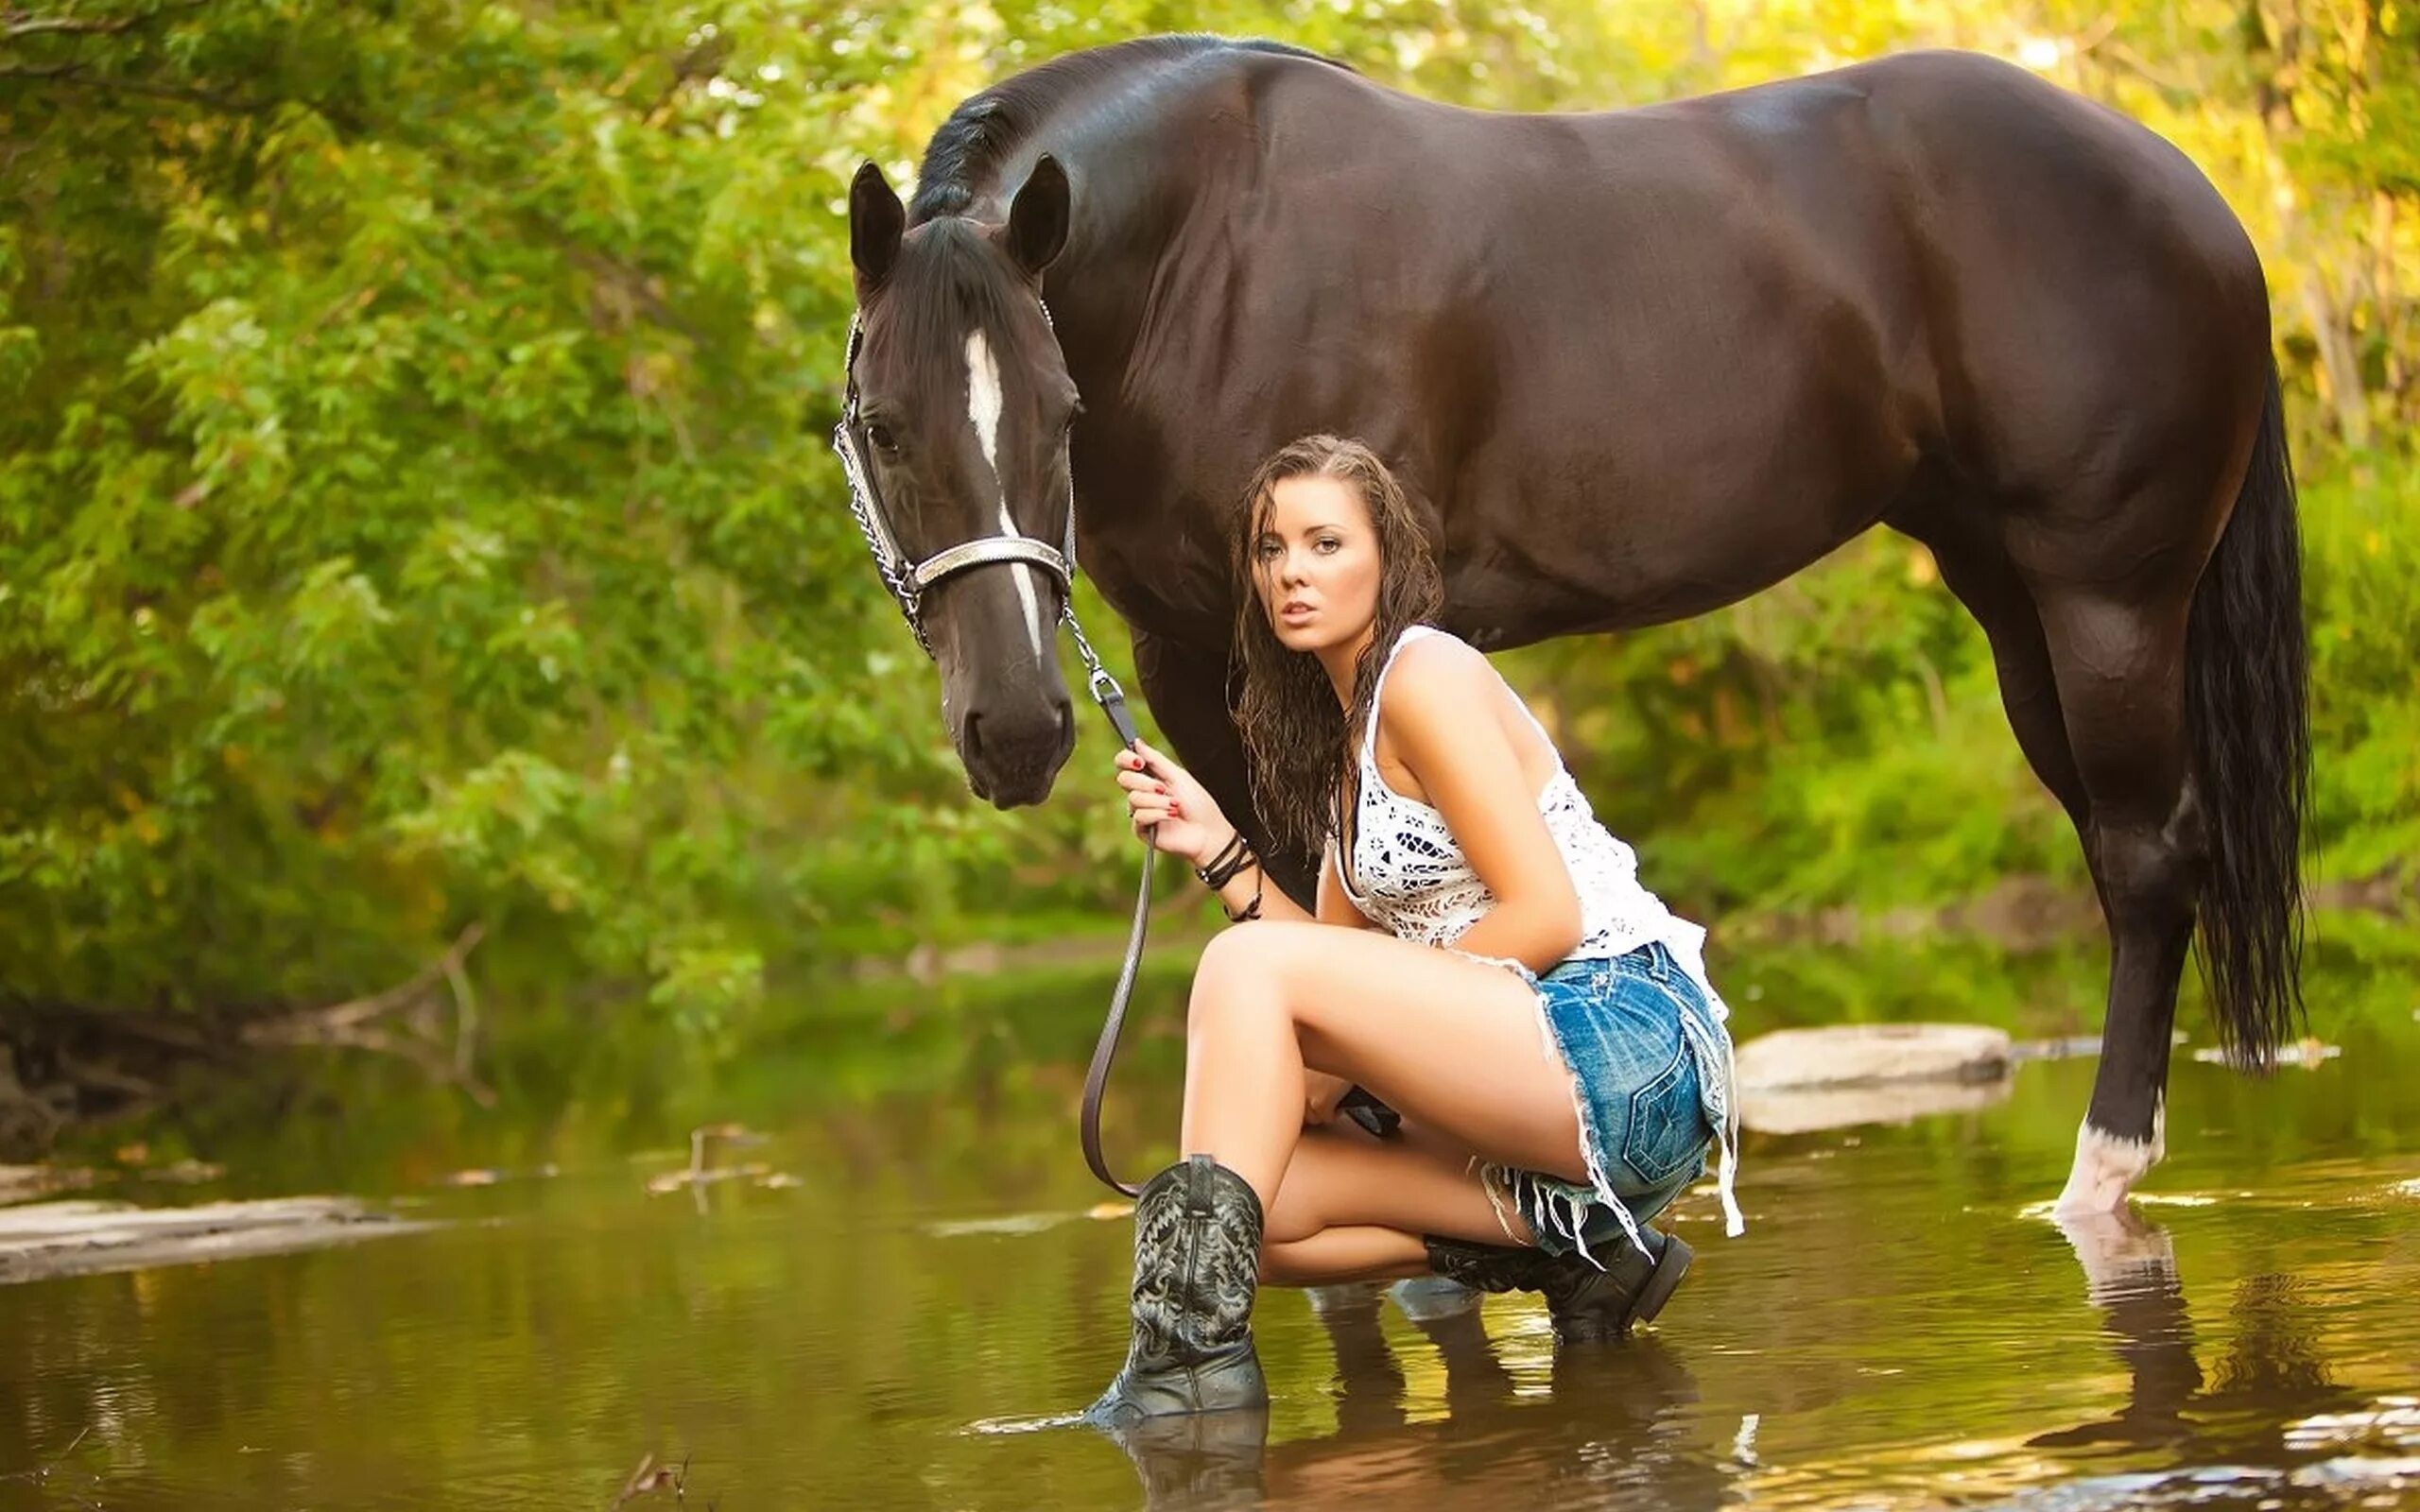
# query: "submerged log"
21, 1183
1793, 1081
45, 1239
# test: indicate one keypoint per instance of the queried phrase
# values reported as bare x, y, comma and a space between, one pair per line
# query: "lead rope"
1111, 699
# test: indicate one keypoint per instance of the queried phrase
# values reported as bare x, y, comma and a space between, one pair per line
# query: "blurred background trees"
414, 510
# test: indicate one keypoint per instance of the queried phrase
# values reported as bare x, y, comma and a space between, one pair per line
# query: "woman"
1482, 958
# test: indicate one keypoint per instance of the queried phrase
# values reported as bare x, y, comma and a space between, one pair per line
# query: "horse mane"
988, 125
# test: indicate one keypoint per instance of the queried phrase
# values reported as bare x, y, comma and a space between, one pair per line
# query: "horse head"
959, 427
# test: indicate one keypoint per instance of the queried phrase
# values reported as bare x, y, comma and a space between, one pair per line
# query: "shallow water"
919, 1272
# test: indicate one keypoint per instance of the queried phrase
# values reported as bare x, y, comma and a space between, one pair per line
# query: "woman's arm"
1331, 905
1471, 773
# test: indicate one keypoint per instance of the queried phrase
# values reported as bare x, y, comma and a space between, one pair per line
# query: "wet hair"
1297, 741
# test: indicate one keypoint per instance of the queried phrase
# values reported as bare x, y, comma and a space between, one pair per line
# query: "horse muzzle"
1012, 750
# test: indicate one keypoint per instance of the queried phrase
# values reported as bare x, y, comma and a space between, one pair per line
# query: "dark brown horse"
1634, 366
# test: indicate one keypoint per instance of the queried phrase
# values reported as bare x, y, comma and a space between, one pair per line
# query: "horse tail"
2247, 708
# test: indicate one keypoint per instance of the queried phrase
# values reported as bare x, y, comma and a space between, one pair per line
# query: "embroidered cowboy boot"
1587, 1304
1197, 1262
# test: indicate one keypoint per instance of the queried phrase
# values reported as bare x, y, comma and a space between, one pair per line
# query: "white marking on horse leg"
983, 404
2108, 1167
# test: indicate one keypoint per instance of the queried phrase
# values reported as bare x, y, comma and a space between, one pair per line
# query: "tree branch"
357, 1024
16, 23
76, 73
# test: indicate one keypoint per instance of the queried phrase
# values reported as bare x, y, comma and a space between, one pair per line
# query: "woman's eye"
1266, 551
1329, 544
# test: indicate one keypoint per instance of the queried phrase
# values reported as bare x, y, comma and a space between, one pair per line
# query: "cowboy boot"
1587, 1305
1197, 1262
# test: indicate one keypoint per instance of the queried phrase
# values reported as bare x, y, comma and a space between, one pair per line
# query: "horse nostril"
1067, 721
973, 735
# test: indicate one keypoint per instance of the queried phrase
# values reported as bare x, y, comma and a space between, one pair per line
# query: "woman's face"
1317, 565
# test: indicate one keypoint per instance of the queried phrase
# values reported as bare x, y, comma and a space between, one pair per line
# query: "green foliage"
414, 511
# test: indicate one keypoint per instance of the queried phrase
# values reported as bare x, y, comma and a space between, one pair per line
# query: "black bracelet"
1223, 875
1251, 910
1232, 858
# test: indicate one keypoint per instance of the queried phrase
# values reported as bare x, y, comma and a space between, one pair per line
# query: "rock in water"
1795, 1080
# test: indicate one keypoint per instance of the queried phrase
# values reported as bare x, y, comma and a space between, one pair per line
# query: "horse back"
1640, 362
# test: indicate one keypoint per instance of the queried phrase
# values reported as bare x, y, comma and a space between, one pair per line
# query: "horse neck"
1143, 156
1142, 175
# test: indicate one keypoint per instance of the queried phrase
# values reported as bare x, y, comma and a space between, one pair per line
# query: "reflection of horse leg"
2130, 1274
2119, 658
1186, 688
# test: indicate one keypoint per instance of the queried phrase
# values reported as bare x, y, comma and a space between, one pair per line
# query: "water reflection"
1610, 1430
1891, 1333
1620, 1425
2273, 1370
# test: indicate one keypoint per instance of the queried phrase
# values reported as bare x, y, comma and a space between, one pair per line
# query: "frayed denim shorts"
1650, 1064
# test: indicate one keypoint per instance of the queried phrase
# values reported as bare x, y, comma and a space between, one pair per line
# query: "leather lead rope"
1111, 699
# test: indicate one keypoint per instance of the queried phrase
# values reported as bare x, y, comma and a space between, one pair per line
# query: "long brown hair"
1297, 739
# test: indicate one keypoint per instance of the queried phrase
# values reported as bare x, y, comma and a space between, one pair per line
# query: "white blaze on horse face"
2108, 1167
983, 404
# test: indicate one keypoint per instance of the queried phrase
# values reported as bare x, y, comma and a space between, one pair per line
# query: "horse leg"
2117, 660
1186, 689
1986, 582
2123, 1257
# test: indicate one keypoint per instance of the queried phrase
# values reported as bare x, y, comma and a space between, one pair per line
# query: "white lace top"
1410, 876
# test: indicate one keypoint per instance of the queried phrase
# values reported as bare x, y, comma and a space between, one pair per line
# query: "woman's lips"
1294, 612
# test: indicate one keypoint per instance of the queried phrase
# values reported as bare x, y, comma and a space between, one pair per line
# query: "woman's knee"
1243, 970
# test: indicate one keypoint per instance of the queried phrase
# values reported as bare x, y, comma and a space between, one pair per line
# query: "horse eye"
878, 436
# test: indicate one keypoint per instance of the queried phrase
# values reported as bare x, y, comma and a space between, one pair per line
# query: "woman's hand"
1159, 792
1320, 1094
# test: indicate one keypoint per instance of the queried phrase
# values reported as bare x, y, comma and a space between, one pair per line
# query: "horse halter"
907, 580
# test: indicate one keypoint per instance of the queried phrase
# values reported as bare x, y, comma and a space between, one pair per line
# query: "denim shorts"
1649, 1091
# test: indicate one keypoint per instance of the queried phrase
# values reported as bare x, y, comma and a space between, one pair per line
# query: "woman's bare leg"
1445, 1039
1337, 1255
1352, 1208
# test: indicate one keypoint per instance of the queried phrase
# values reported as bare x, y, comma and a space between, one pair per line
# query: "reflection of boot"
1587, 1305
1426, 1298
1197, 1262
1637, 1385
1198, 1462
1473, 1376
1368, 1383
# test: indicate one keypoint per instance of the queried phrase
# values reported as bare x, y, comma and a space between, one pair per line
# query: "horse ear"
1038, 217
875, 222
